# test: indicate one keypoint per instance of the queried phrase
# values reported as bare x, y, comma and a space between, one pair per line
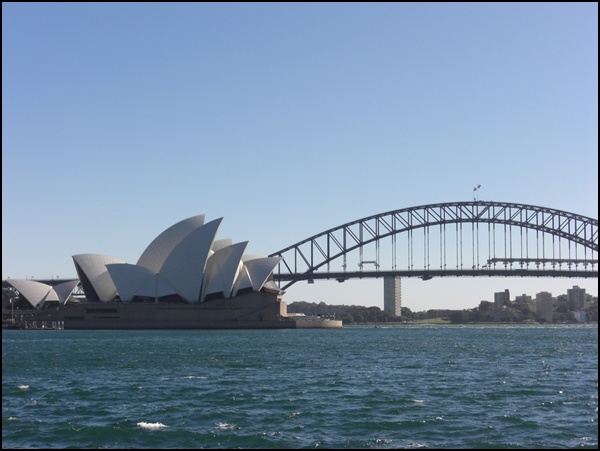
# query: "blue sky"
119, 120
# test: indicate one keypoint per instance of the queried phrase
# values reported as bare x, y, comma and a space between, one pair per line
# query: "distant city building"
576, 298
526, 300
544, 305
392, 296
523, 299
502, 298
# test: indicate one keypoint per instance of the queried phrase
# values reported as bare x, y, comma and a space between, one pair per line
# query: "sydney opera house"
185, 279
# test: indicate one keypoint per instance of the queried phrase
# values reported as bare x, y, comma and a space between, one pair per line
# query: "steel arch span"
473, 238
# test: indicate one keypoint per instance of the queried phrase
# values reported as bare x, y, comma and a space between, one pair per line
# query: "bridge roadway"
429, 274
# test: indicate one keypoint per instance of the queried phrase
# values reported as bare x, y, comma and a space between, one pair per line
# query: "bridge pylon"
392, 295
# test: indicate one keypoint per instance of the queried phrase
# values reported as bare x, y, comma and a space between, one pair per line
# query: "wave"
151, 426
225, 426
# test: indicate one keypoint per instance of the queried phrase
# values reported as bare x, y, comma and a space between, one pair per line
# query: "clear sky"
121, 119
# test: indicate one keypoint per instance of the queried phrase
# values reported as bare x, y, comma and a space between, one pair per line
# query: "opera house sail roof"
38, 293
185, 262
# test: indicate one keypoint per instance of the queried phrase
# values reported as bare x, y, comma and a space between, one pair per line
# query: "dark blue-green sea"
405, 386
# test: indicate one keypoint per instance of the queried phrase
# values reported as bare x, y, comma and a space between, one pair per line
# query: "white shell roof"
260, 269
94, 268
184, 266
135, 280
128, 278
157, 286
249, 257
242, 281
271, 285
222, 269
161, 247
35, 292
220, 244
64, 290
51, 296
184, 260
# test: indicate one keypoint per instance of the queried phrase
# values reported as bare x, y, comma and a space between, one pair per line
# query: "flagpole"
476, 193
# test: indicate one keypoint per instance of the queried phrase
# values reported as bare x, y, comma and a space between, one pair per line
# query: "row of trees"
349, 314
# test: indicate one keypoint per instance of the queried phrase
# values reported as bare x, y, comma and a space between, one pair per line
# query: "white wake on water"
151, 426
225, 426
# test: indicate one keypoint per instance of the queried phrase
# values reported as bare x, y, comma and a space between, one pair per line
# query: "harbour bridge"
472, 238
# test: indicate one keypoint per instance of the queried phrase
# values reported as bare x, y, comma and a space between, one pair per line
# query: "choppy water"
358, 387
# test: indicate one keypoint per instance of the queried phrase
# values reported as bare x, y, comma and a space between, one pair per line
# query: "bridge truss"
473, 238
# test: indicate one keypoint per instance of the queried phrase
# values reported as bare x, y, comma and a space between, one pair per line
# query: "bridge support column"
392, 295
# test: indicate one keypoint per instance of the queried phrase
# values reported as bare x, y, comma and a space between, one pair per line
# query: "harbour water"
405, 386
